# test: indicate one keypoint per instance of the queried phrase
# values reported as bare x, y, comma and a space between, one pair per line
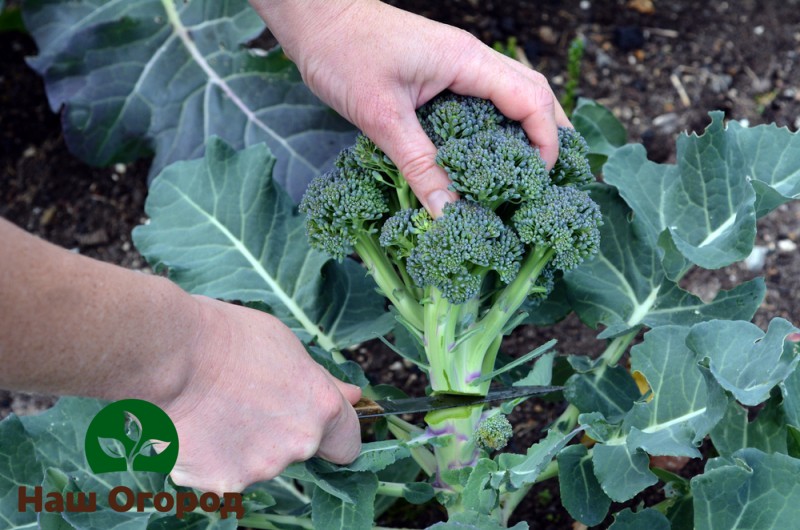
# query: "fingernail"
436, 201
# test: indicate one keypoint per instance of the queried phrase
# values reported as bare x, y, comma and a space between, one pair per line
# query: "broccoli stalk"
457, 282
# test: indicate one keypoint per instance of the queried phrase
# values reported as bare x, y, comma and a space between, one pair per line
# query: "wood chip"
644, 7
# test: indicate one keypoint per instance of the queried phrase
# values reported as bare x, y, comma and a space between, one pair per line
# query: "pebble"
755, 261
787, 245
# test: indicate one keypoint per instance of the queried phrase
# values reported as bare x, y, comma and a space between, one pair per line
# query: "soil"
659, 66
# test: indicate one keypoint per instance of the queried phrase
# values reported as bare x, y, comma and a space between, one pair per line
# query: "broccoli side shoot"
494, 432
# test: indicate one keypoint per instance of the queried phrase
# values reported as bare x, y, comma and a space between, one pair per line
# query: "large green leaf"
648, 518
331, 512
708, 202
137, 76
19, 468
751, 490
767, 432
626, 286
746, 361
223, 229
684, 406
581, 493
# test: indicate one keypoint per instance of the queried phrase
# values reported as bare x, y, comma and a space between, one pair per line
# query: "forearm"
73, 325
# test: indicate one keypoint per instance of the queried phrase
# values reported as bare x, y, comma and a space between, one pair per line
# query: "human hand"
254, 402
375, 64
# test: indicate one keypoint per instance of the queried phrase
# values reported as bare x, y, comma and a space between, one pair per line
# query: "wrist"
296, 24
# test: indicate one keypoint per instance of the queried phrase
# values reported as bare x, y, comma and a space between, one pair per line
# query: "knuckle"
416, 167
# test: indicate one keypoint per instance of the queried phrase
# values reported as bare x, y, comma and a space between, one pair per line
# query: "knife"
369, 410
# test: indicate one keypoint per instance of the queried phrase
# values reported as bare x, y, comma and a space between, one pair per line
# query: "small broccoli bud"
460, 247
572, 167
365, 154
565, 219
400, 232
339, 205
452, 116
492, 167
494, 432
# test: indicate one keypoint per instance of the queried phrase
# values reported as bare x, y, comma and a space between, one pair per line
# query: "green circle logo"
123, 436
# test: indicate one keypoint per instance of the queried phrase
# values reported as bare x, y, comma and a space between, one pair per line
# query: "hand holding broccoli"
376, 64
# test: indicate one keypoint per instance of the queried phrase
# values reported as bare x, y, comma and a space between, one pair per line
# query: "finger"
561, 117
402, 139
341, 440
523, 97
351, 393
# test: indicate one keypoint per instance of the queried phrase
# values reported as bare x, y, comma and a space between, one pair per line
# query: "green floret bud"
339, 205
572, 166
494, 432
460, 248
367, 155
492, 167
400, 232
452, 116
564, 219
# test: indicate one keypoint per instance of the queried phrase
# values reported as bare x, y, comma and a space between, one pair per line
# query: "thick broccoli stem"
504, 307
461, 450
385, 275
441, 323
456, 359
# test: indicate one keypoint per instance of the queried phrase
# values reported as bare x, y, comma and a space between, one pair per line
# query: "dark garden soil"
660, 66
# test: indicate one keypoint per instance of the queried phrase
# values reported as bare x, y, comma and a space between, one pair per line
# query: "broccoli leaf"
160, 76
767, 432
746, 361
708, 202
626, 286
647, 518
751, 489
223, 229
329, 511
684, 406
581, 494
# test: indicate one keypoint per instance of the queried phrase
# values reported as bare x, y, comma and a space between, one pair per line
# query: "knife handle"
365, 406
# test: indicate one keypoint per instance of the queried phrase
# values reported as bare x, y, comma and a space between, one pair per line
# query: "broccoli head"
457, 281
564, 219
494, 432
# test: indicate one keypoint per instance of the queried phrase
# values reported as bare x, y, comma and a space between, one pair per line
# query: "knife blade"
371, 410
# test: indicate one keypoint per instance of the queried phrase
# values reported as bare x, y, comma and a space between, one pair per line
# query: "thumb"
407, 145
350, 392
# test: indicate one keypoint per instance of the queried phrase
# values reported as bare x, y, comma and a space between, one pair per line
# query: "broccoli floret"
453, 116
494, 432
492, 167
339, 205
564, 219
400, 232
572, 167
460, 248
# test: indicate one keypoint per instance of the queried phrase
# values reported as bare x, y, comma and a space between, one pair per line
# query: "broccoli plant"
458, 282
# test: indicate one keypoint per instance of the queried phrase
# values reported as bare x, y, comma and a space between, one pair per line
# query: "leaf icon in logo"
133, 427
150, 445
112, 447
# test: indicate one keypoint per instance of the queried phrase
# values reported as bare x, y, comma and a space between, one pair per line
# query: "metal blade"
367, 409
